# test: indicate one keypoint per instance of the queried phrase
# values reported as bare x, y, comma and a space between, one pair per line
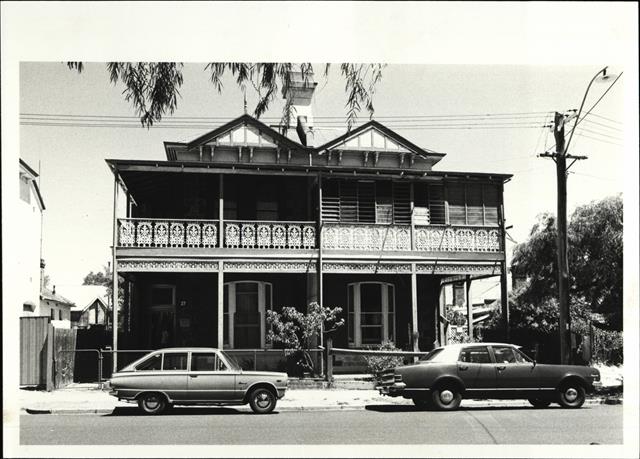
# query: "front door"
210, 379
476, 369
513, 371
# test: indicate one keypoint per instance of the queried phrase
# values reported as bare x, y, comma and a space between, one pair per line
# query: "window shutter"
331, 201
491, 205
455, 195
384, 203
401, 203
366, 202
436, 204
474, 204
348, 202
420, 204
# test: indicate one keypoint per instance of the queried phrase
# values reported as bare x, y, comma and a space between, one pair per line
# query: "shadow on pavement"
409, 408
179, 411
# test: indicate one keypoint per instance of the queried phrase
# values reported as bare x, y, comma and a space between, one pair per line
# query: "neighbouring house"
56, 306
28, 268
90, 305
244, 219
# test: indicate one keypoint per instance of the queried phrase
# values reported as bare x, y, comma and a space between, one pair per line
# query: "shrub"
377, 363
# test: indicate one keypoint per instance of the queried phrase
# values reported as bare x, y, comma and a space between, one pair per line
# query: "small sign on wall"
185, 322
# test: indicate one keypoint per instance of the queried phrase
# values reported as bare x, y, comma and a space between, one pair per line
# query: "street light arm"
603, 71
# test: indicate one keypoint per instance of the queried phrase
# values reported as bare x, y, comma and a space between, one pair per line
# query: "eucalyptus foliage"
153, 88
595, 268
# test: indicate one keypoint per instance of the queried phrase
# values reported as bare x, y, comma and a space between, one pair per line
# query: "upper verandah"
248, 140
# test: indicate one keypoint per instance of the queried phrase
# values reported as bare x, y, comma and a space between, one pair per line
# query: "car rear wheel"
262, 401
152, 403
571, 395
422, 403
446, 398
539, 403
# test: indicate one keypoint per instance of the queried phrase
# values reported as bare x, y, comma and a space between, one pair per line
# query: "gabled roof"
48, 295
84, 296
381, 134
32, 176
244, 120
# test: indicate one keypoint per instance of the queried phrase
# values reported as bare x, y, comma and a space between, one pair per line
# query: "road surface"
378, 424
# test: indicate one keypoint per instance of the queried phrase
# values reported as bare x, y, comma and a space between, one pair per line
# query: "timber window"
371, 313
245, 303
473, 204
366, 201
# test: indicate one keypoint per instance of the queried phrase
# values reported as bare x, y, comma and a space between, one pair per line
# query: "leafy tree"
153, 88
595, 267
297, 331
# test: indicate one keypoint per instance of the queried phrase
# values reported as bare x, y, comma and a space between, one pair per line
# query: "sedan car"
487, 371
195, 376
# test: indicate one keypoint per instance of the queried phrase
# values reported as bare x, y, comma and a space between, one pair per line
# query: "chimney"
299, 94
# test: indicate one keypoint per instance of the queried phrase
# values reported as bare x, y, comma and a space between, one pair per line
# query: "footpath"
354, 393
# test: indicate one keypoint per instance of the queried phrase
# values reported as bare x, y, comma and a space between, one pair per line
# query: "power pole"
560, 158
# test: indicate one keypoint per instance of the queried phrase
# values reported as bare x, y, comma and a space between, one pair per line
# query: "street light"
561, 173
603, 76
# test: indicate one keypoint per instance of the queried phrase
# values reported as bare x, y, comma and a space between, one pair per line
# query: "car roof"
460, 345
187, 349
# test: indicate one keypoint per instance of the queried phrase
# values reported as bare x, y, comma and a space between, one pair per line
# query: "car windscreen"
433, 355
152, 363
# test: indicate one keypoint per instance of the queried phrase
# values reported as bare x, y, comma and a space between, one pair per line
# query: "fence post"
99, 369
50, 344
329, 357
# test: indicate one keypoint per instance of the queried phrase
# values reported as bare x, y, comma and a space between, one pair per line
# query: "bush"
377, 363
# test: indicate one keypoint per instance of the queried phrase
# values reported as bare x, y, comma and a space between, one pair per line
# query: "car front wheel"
446, 398
262, 401
152, 403
571, 395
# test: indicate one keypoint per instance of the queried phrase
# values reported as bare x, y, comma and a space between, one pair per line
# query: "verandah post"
114, 274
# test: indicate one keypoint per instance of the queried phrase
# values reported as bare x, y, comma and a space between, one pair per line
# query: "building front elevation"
243, 220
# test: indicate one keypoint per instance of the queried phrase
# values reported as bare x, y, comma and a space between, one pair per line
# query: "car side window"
175, 361
475, 354
206, 362
504, 354
152, 363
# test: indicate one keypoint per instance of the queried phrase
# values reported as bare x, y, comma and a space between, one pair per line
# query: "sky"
78, 187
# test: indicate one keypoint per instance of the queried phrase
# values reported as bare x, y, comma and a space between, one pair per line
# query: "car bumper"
392, 389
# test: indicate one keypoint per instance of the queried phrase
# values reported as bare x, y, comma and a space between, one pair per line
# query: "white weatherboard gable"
371, 139
243, 135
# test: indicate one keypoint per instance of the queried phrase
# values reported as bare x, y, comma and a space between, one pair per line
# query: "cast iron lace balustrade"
147, 232
430, 238
269, 235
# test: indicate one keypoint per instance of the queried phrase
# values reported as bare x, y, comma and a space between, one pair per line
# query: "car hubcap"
571, 395
446, 396
152, 403
262, 400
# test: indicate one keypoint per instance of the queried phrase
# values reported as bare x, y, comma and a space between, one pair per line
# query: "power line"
195, 127
399, 117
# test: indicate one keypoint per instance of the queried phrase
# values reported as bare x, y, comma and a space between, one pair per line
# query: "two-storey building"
244, 219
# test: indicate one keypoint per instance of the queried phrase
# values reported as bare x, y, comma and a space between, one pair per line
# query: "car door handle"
463, 367
193, 376
501, 367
